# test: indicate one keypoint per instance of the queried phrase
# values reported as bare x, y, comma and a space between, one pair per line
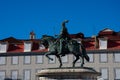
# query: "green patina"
64, 45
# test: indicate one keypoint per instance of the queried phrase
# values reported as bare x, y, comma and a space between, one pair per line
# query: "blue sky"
19, 17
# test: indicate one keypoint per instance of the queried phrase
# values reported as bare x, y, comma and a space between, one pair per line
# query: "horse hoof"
60, 66
73, 65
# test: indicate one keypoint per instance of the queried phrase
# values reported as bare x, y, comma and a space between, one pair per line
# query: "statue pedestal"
77, 73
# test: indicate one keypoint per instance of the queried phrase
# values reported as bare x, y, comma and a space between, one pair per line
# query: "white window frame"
91, 56
39, 59
27, 59
105, 74
117, 73
116, 57
103, 43
64, 59
27, 46
27, 74
54, 59
103, 57
15, 60
3, 47
41, 47
14, 74
2, 60
2, 74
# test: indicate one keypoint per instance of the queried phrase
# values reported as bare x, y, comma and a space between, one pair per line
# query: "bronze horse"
72, 46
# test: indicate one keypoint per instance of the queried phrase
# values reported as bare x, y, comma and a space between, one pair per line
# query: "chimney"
32, 35
96, 42
96, 45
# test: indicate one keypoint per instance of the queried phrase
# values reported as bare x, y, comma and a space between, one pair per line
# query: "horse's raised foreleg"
60, 61
77, 58
47, 55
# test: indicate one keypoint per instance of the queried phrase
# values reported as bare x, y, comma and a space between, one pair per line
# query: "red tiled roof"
16, 48
17, 45
11, 40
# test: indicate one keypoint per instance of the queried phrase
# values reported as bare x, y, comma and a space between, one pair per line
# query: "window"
3, 47
15, 60
53, 57
103, 57
27, 46
103, 43
65, 58
27, 75
39, 59
14, 74
42, 46
117, 57
117, 73
2, 60
104, 72
2, 75
91, 57
27, 59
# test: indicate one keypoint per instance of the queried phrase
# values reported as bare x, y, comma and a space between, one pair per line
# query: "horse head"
47, 40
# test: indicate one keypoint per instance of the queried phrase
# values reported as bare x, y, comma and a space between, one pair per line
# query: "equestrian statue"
63, 45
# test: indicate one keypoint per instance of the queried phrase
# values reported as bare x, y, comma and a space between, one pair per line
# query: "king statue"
64, 39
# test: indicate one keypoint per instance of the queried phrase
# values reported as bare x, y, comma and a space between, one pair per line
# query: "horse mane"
49, 37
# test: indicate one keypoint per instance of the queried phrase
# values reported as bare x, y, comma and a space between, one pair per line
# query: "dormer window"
27, 46
41, 47
3, 47
102, 43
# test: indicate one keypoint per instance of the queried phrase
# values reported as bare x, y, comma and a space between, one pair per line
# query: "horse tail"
85, 53
87, 57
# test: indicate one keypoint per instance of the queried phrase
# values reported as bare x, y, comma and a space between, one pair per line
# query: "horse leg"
77, 58
59, 59
82, 61
47, 55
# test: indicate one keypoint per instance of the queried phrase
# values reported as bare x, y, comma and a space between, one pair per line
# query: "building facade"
22, 59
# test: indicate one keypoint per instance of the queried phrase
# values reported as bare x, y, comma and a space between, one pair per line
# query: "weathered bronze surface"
64, 45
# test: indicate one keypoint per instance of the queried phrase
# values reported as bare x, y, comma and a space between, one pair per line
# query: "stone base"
77, 73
